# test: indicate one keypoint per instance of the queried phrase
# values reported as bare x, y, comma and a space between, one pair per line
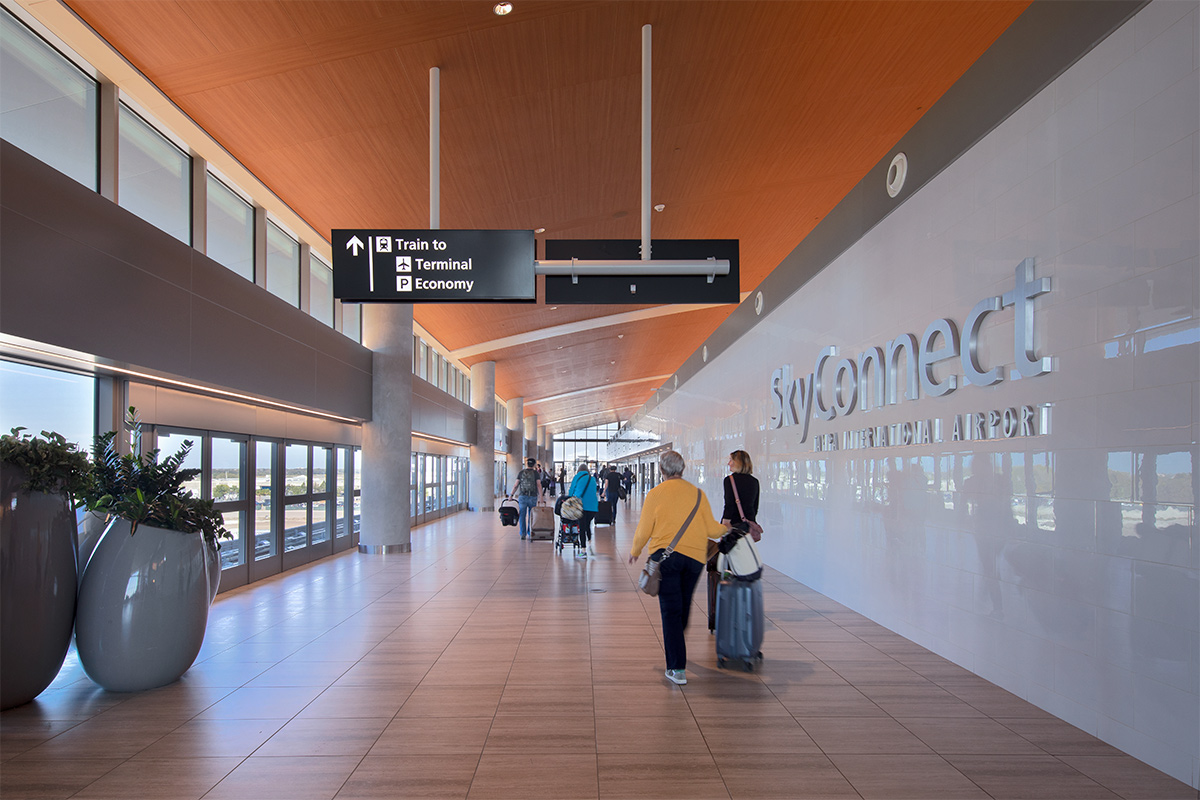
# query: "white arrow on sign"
355, 244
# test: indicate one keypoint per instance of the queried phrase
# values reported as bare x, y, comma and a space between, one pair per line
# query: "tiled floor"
481, 666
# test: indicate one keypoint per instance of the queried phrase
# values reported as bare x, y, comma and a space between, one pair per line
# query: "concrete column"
531, 445
516, 450
482, 490
387, 438
549, 448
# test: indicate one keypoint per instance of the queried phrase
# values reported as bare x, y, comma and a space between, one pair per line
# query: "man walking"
526, 489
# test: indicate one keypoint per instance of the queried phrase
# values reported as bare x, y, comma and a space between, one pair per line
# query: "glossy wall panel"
1057, 555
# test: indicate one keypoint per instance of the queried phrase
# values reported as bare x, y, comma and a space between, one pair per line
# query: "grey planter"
37, 587
91, 528
143, 607
212, 562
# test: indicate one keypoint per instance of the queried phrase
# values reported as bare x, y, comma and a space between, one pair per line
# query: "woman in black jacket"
740, 476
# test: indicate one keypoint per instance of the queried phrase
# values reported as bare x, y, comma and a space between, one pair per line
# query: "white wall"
1063, 566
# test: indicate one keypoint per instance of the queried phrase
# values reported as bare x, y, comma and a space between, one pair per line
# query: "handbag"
753, 527
651, 577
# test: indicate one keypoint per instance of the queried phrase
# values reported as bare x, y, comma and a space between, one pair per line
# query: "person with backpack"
526, 489
583, 486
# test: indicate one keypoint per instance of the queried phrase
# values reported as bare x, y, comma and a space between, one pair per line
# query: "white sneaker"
676, 676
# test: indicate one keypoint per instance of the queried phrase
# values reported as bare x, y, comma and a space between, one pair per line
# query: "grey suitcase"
740, 622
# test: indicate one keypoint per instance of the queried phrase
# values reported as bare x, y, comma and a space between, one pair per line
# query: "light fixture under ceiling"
501, 9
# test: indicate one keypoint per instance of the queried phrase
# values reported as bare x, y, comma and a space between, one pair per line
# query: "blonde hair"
742, 462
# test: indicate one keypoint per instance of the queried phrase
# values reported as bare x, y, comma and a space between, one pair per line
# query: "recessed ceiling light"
539, 230
612, 362
501, 9
620, 336
659, 207
554, 308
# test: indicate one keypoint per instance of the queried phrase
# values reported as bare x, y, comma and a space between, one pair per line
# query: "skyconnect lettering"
457, 286
905, 366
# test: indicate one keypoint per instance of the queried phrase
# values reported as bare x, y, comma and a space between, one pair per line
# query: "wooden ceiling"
764, 115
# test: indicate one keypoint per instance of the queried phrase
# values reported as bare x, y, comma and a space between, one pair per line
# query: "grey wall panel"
72, 210
78, 271
57, 290
438, 414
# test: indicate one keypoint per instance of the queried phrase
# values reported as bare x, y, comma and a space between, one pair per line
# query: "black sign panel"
661, 289
442, 266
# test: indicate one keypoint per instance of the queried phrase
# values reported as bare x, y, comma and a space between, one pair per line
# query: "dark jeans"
679, 577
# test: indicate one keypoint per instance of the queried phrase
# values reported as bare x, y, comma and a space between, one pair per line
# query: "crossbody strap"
671, 547
737, 499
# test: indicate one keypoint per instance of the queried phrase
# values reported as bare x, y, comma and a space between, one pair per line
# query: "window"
320, 290
154, 177
352, 321
40, 399
283, 265
264, 507
230, 229
48, 107
227, 490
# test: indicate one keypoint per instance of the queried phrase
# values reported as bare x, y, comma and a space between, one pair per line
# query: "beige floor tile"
909, 777
1059, 738
427, 777
32, 778
212, 738
1131, 778
186, 778
826, 701
262, 703
301, 673
980, 736
19, 735
429, 736
357, 702
503, 776
649, 735
685, 776
295, 778
546, 733
100, 738
324, 737
561, 698
656, 699
749, 734
863, 735
452, 701
766, 776
1029, 778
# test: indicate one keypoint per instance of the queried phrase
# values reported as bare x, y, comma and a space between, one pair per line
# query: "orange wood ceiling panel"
765, 115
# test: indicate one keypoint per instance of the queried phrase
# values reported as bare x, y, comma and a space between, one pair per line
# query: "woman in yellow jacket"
664, 512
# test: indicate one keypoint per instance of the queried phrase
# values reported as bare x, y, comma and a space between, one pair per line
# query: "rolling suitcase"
604, 513
542, 526
740, 622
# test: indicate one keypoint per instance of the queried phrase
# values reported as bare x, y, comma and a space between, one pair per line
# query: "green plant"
51, 464
139, 487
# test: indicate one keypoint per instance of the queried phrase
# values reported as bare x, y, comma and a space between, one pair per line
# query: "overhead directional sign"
441, 266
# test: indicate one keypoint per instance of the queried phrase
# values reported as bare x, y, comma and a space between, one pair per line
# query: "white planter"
143, 607
37, 587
